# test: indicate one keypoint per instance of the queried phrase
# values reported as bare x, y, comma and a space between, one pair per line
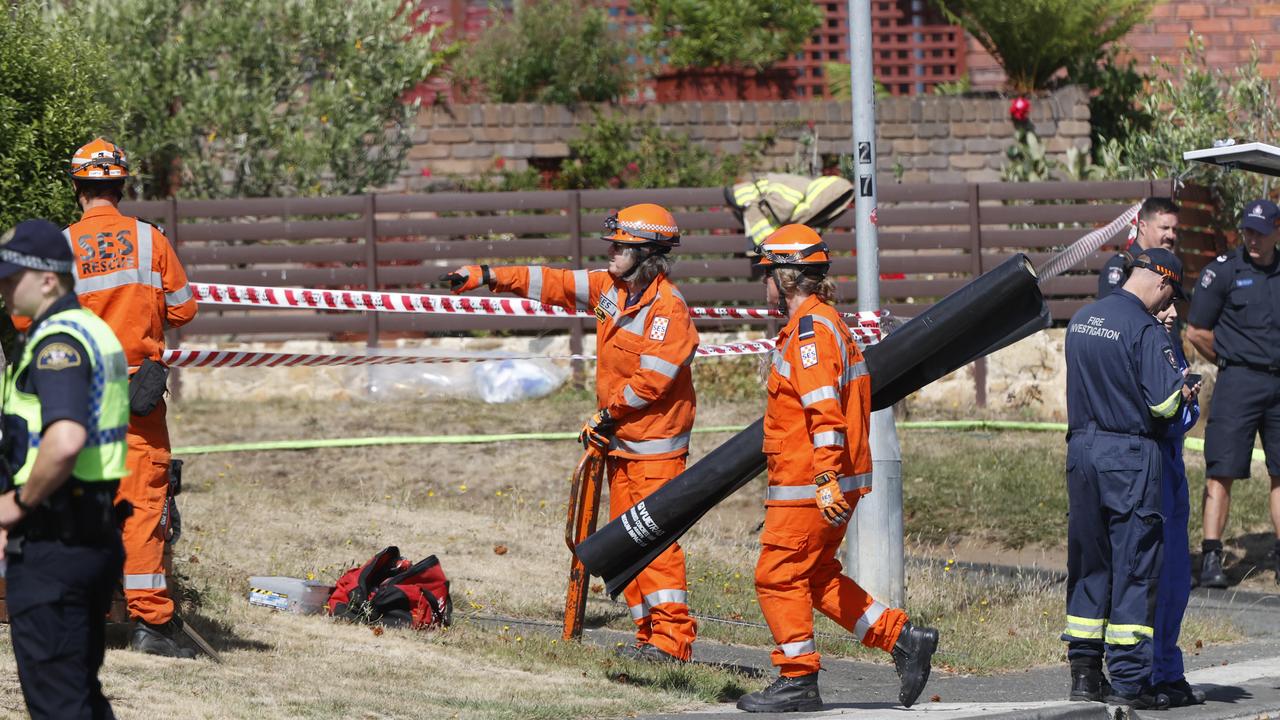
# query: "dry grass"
315, 513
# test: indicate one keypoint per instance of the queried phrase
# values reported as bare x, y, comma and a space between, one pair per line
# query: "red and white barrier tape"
253, 358
865, 325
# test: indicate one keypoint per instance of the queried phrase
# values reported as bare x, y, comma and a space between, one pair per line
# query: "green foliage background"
50, 104
1153, 119
235, 98
1192, 105
262, 97
1034, 39
553, 51
613, 152
732, 33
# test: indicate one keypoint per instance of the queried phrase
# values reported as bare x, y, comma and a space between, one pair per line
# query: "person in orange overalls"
128, 274
816, 426
645, 342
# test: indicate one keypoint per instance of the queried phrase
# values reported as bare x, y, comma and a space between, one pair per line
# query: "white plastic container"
295, 595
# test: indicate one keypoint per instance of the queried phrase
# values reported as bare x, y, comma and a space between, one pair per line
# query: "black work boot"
1181, 694
652, 653
1275, 558
630, 651
911, 655
1211, 574
786, 694
1088, 684
160, 640
1146, 699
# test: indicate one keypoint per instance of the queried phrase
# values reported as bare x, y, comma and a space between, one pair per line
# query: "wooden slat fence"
933, 238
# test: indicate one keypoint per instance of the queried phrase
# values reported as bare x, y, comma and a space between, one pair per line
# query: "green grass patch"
1007, 488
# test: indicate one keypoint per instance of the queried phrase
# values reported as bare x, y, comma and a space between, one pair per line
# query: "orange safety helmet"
796, 245
643, 224
101, 159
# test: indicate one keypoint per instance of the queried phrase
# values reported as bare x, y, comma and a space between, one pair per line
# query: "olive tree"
217, 98
50, 102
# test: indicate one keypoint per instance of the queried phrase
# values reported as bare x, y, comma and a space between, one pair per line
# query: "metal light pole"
873, 548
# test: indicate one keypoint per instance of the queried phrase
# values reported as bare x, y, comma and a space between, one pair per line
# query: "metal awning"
1254, 157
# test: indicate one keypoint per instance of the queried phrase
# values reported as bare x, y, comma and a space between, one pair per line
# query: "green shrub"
1113, 88
1034, 39
614, 152
727, 33
50, 104
553, 51
1193, 104
261, 97
1028, 159
840, 82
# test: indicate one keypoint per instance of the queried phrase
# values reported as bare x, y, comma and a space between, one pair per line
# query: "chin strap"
626, 276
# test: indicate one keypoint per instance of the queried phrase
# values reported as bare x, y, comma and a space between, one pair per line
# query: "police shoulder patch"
1173, 360
1206, 277
58, 356
658, 330
809, 354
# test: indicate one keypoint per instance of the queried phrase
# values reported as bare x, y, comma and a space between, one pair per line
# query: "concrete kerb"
1242, 680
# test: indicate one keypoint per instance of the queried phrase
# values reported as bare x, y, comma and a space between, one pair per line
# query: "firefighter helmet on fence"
643, 224
795, 245
101, 159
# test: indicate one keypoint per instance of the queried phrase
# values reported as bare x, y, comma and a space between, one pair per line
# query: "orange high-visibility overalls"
643, 349
817, 420
128, 274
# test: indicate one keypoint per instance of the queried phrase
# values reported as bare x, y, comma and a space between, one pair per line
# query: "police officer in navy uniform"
65, 415
1157, 224
1234, 322
1123, 383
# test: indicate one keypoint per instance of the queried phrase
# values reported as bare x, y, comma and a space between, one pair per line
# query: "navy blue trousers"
58, 598
1114, 539
1174, 590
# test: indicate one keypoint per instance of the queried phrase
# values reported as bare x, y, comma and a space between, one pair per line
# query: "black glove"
597, 431
466, 278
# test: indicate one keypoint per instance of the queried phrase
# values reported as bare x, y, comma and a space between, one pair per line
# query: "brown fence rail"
933, 239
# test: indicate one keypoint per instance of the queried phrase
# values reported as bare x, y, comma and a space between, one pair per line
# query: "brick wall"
1228, 28
921, 139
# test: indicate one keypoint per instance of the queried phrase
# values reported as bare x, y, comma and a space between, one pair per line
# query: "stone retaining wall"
921, 139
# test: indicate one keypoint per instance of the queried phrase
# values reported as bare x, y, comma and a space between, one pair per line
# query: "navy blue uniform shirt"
60, 373
1240, 303
1122, 373
1112, 274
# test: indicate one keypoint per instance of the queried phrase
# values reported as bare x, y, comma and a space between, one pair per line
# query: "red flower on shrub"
1020, 109
633, 167
426, 172
500, 163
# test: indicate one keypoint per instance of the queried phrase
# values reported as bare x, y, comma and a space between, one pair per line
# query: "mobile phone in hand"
1192, 379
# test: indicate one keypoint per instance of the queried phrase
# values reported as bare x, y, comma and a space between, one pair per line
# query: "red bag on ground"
393, 591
